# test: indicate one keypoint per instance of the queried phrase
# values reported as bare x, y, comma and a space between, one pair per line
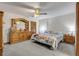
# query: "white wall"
64, 23
42, 25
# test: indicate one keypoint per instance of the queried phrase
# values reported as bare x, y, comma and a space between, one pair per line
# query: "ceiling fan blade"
43, 13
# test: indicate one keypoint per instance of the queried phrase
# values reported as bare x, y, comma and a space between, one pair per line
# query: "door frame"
1, 33
77, 29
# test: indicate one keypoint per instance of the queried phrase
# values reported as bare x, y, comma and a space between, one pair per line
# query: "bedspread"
51, 40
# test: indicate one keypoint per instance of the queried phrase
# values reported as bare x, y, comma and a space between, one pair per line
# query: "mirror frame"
13, 22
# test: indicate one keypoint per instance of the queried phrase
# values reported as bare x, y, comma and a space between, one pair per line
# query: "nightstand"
69, 39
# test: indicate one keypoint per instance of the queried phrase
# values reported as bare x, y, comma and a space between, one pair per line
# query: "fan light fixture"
37, 12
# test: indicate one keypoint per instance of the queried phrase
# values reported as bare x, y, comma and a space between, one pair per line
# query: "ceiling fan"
38, 12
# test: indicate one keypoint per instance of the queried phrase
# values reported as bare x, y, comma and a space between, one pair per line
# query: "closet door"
33, 26
1, 42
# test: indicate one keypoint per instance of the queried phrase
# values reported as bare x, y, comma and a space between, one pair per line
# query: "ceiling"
27, 9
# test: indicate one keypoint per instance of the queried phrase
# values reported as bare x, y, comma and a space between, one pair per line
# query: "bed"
50, 39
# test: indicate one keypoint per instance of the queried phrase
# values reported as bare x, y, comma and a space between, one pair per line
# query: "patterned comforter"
52, 40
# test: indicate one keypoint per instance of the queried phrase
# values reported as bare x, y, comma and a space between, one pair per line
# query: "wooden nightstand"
69, 39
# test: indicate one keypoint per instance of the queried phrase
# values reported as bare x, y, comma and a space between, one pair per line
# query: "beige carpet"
28, 48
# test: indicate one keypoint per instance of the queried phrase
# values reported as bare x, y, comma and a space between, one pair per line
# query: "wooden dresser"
1, 41
69, 39
19, 35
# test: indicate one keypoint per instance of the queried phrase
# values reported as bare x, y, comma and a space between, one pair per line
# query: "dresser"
19, 35
69, 39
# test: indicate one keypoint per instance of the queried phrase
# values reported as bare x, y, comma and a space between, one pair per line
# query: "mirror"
20, 25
